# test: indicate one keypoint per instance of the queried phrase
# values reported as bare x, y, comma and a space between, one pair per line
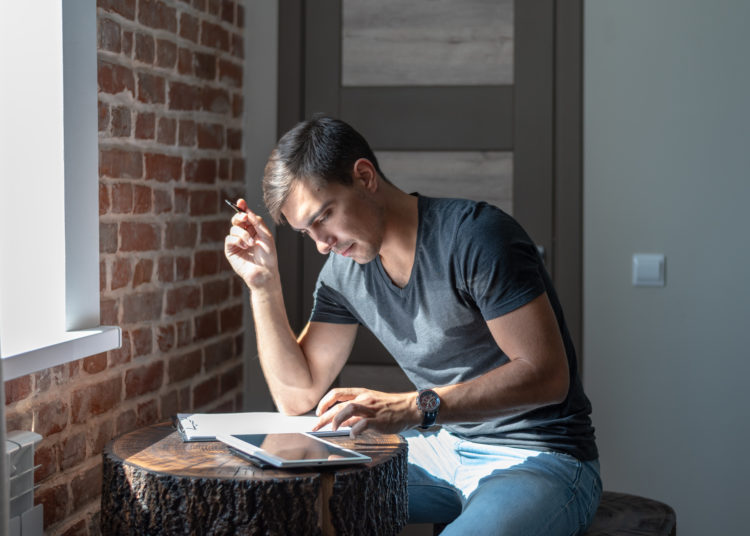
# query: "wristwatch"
428, 403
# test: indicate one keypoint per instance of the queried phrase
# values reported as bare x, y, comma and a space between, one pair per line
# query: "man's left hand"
364, 409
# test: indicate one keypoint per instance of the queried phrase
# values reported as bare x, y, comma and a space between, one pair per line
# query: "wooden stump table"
154, 483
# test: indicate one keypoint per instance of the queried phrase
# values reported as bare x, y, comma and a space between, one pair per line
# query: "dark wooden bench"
620, 514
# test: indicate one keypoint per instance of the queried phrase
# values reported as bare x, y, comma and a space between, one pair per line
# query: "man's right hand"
250, 248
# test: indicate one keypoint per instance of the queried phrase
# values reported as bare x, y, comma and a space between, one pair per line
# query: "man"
457, 292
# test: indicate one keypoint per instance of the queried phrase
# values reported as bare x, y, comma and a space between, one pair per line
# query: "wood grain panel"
427, 42
478, 175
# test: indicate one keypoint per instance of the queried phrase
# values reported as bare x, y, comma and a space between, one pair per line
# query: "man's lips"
345, 252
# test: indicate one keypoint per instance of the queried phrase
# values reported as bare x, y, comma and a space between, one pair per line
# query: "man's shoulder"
459, 207
453, 205
465, 217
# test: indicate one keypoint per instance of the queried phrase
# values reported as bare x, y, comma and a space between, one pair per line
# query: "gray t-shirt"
473, 263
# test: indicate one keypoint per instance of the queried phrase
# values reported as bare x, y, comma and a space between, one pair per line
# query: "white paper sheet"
205, 426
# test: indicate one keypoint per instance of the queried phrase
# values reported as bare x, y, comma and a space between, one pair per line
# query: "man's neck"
400, 238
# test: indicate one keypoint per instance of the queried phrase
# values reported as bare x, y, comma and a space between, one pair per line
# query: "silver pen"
237, 209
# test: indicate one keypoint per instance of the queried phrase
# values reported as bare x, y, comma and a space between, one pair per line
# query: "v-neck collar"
403, 291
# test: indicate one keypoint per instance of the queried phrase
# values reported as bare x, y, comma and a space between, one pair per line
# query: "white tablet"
290, 450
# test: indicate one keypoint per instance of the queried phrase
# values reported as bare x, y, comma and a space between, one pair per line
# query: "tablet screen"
293, 449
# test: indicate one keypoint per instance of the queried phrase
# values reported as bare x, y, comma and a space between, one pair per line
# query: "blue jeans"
492, 489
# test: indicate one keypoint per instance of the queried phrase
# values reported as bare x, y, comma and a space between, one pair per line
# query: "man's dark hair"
322, 150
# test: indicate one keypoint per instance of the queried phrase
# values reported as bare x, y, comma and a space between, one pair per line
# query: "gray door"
458, 98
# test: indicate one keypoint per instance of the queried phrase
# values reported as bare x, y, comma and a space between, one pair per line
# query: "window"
49, 227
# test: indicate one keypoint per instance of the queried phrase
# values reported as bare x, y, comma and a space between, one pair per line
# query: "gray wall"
667, 139
259, 127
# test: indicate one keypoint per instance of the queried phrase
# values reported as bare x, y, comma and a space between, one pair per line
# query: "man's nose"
324, 243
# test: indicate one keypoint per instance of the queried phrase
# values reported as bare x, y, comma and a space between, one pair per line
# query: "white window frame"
49, 200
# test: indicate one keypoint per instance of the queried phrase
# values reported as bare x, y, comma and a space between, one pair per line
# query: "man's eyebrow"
314, 216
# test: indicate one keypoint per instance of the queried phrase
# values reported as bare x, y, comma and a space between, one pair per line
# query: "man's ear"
364, 173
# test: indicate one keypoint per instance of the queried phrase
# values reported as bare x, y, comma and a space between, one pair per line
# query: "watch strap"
428, 419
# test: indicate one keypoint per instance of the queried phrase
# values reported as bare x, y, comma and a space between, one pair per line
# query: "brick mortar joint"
124, 100
167, 388
85, 514
24, 407
205, 375
198, 116
157, 355
180, 9
137, 145
72, 430
171, 185
66, 476
174, 38
226, 397
182, 251
156, 254
172, 285
175, 76
185, 314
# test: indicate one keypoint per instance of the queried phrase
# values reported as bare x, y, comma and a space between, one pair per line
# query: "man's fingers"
245, 240
334, 396
351, 413
322, 421
264, 246
261, 227
234, 244
329, 416
346, 412
359, 427
256, 230
351, 422
239, 220
251, 219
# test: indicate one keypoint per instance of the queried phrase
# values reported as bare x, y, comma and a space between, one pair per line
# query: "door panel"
413, 78
478, 175
427, 42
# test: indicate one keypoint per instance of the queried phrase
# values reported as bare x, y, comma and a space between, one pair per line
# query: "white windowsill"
74, 345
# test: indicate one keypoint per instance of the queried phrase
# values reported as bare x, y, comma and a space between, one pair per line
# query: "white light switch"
648, 270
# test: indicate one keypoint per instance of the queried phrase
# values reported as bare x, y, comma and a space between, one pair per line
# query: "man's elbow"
289, 406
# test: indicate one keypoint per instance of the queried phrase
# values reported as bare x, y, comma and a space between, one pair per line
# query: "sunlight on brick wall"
170, 134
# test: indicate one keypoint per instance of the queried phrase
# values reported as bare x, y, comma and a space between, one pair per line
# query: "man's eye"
323, 218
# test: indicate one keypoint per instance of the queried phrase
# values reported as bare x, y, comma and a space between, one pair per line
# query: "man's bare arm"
536, 375
298, 372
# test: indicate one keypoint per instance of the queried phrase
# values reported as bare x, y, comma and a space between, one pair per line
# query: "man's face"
343, 219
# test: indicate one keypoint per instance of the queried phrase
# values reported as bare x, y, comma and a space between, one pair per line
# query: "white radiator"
25, 518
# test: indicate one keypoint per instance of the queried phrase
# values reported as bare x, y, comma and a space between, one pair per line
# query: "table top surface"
160, 449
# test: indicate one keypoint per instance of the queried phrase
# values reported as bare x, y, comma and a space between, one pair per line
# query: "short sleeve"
500, 265
330, 305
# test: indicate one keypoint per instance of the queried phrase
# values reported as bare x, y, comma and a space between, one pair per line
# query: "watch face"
428, 401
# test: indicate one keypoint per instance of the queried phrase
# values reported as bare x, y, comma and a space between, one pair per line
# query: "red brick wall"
170, 136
